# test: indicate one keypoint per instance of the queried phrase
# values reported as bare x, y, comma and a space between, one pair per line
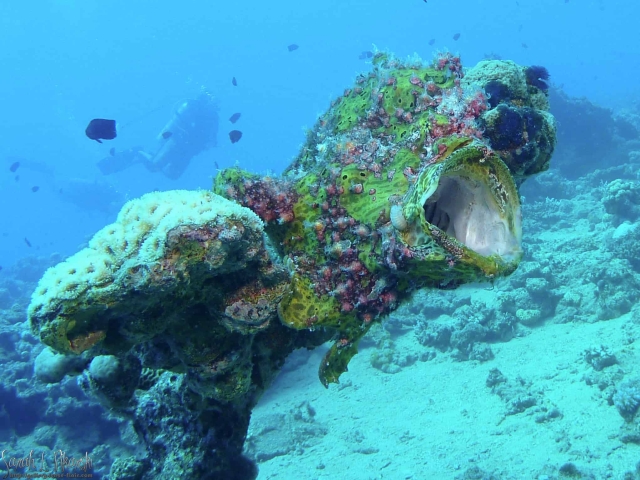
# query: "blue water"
66, 62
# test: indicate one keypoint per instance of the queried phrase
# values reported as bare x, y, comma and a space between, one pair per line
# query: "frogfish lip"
470, 196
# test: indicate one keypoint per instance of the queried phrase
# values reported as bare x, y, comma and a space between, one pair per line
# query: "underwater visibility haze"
326, 240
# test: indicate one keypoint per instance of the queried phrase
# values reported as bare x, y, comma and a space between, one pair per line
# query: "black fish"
234, 82
234, 118
292, 47
524, 45
166, 135
215, 164
26, 240
365, 55
112, 151
235, 135
14, 166
432, 41
456, 36
101, 129
35, 188
16, 178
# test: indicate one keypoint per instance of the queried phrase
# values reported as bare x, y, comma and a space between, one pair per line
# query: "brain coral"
136, 242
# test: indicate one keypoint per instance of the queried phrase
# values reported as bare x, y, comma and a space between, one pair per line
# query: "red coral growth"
416, 81
455, 126
356, 188
84, 342
476, 106
272, 200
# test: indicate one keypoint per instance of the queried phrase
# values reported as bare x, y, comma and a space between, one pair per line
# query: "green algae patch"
302, 308
229, 183
440, 77
402, 93
352, 107
356, 199
366, 197
403, 130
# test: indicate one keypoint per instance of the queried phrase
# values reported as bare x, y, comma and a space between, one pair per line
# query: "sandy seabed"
439, 420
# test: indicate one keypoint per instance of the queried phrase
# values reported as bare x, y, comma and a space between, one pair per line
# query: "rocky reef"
186, 307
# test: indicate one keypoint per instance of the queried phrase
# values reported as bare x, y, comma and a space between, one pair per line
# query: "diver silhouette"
191, 130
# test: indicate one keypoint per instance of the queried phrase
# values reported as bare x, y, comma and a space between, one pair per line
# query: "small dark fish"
524, 45
456, 36
60, 191
215, 164
235, 135
365, 55
35, 188
112, 151
0, 268
520, 27
26, 240
14, 166
292, 47
166, 135
17, 178
566, 1
234, 82
432, 41
234, 118
101, 129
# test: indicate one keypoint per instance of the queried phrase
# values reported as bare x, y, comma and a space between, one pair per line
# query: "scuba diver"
191, 130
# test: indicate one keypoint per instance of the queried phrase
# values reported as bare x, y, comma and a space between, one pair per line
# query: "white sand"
435, 420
